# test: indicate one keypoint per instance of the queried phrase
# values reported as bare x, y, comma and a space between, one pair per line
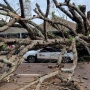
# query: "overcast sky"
42, 3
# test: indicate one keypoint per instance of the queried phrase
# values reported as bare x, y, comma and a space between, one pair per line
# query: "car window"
52, 50
48, 50
44, 50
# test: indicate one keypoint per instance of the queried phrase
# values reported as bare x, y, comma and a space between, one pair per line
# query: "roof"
14, 30
58, 19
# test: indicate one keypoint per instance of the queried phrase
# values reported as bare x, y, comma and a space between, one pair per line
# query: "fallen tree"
38, 36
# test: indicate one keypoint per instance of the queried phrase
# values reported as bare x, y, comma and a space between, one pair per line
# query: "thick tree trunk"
22, 8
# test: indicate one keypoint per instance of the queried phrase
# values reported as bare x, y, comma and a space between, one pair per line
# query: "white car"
46, 53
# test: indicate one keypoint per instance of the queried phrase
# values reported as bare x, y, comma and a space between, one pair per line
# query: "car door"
54, 54
43, 54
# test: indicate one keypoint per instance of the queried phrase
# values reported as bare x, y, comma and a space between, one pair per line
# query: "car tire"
31, 59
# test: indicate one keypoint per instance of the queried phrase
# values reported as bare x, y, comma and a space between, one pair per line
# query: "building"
14, 32
58, 19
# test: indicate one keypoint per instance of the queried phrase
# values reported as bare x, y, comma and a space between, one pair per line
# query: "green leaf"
79, 6
70, 39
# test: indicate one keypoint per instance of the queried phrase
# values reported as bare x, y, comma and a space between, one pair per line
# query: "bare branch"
55, 22
40, 80
3, 6
38, 7
22, 8
7, 62
9, 6
48, 8
58, 5
34, 17
5, 27
61, 55
74, 61
83, 42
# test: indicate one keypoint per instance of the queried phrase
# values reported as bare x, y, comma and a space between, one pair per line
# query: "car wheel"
31, 59
65, 59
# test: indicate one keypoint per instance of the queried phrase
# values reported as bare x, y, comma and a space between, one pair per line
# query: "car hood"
32, 53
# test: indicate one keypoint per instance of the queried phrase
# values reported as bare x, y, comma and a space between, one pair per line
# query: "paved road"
27, 72
34, 68
82, 72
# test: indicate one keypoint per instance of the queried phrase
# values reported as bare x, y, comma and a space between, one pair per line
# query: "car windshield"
48, 49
